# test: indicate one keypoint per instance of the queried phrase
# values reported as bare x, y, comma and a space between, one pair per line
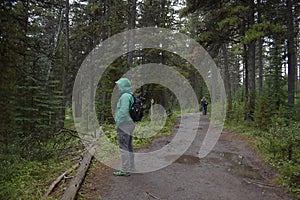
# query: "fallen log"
54, 183
71, 191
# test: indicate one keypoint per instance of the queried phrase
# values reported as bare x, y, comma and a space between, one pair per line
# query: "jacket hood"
124, 85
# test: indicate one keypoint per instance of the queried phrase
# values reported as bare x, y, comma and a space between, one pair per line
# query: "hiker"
204, 104
125, 126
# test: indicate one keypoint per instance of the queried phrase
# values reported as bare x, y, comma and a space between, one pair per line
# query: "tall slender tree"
291, 51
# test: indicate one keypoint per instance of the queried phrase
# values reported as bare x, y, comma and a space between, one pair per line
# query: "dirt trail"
231, 171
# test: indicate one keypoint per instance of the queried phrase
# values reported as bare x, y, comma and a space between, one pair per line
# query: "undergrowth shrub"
282, 143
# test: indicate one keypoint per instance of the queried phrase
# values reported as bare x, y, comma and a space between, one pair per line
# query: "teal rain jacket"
125, 101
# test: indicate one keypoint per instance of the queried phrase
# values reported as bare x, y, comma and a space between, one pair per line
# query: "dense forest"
254, 43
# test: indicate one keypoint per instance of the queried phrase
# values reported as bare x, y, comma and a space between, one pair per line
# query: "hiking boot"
121, 173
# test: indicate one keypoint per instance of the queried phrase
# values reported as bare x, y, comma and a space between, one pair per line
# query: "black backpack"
136, 110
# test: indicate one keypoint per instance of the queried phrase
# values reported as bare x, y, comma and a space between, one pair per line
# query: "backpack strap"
132, 100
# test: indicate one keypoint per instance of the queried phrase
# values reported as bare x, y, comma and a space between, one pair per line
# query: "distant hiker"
204, 104
125, 126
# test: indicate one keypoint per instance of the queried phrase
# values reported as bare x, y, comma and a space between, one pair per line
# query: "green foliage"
241, 10
290, 176
263, 112
281, 143
229, 21
237, 113
24, 179
205, 37
252, 35
37, 114
258, 30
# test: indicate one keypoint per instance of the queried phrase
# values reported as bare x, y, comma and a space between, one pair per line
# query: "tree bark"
66, 64
227, 79
251, 69
291, 52
260, 53
75, 183
102, 118
131, 25
245, 78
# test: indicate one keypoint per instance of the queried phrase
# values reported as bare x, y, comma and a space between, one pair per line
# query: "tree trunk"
196, 84
66, 64
291, 52
131, 23
227, 79
277, 74
251, 79
260, 54
213, 80
245, 79
102, 118
251, 69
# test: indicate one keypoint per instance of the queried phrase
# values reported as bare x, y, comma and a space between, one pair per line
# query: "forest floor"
233, 171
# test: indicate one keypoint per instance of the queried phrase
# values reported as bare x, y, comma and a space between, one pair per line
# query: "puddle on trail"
184, 159
188, 159
238, 165
246, 171
234, 163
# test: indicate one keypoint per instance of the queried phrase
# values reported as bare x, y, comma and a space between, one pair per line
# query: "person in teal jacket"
125, 126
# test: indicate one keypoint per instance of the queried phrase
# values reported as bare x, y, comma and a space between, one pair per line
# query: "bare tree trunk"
103, 111
78, 98
291, 53
277, 73
245, 79
66, 64
260, 54
57, 36
55, 43
213, 80
131, 23
251, 69
251, 81
227, 79
196, 85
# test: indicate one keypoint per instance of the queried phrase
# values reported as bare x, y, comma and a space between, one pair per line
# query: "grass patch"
27, 179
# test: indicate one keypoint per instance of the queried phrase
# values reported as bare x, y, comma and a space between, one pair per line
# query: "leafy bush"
282, 139
290, 176
282, 144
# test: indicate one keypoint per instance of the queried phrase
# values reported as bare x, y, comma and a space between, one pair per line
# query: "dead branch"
259, 184
54, 184
151, 195
71, 191
70, 131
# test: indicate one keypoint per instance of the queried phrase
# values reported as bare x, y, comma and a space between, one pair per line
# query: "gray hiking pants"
125, 131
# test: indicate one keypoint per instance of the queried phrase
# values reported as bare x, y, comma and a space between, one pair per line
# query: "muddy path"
232, 171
